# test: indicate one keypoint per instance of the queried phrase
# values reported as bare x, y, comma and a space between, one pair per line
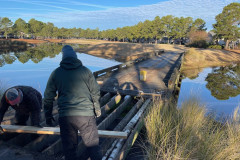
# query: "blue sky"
109, 14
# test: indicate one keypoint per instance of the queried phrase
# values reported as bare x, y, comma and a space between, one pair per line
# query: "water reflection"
36, 53
7, 46
224, 82
218, 88
33, 66
192, 73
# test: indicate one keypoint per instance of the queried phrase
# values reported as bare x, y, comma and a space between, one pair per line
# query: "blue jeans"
69, 127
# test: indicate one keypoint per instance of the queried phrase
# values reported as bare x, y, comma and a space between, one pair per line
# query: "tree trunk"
167, 40
227, 44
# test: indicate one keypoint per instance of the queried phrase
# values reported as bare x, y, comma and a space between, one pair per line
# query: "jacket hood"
70, 63
67, 51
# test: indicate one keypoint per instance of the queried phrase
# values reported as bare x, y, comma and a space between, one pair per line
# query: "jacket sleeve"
49, 95
94, 91
3, 108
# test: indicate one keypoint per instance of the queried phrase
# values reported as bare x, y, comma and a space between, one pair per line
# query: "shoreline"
195, 58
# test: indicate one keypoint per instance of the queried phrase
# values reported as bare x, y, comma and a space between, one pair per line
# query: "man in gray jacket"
78, 102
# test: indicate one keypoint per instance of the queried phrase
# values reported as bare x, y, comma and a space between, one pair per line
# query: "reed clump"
189, 133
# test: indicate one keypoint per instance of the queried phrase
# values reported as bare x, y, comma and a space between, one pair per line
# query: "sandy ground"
199, 58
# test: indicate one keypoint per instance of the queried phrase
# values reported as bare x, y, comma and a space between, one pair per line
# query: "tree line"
168, 27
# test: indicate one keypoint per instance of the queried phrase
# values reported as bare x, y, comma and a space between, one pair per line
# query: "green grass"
188, 133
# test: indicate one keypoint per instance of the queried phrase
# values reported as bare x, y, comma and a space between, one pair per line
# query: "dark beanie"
67, 51
13, 96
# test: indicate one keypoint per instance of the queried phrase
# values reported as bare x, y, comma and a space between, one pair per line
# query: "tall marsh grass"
190, 133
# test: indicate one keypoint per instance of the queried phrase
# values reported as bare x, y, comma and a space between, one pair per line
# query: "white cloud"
88, 4
56, 4
127, 16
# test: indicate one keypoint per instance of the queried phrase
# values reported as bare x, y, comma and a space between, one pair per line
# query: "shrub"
198, 44
215, 46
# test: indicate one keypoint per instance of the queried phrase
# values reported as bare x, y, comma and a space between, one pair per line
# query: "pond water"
217, 88
34, 66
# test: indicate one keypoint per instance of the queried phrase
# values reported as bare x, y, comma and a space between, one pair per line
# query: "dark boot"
95, 152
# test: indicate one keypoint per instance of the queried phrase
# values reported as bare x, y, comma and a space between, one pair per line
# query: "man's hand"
1, 130
98, 113
49, 121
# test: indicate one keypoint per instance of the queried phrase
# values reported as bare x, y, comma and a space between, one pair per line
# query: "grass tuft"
190, 133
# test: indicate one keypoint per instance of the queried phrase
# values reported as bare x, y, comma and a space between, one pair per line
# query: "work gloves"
50, 121
98, 113
1, 130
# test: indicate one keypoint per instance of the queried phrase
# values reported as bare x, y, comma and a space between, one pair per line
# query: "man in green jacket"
78, 102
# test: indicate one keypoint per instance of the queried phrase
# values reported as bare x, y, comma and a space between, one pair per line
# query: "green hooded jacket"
78, 91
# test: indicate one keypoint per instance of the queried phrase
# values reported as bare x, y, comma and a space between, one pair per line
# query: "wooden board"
56, 131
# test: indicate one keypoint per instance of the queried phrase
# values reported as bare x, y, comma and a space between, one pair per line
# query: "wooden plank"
23, 139
117, 144
110, 118
108, 142
130, 92
56, 131
130, 141
122, 154
107, 107
105, 98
